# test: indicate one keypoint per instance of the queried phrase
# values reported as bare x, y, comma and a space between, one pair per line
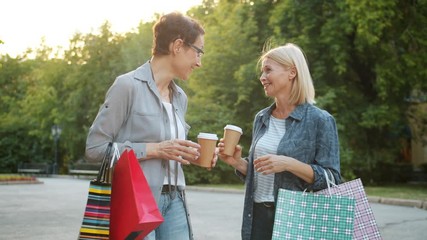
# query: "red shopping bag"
134, 212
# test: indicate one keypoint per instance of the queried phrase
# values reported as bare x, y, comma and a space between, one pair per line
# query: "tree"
367, 60
359, 51
13, 130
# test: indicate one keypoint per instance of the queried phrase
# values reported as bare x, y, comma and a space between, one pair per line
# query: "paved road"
54, 210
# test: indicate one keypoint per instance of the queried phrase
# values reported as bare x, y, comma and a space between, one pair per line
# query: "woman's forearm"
302, 170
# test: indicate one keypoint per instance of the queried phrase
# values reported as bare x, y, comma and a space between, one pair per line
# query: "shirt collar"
297, 113
144, 74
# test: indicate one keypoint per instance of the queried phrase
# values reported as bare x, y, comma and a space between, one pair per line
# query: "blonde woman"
293, 141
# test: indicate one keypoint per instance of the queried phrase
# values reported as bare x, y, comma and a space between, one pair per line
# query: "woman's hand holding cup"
183, 151
232, 160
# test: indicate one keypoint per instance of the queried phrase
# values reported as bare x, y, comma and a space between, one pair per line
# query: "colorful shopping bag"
303, 215
134, 211
96, 218
365, 226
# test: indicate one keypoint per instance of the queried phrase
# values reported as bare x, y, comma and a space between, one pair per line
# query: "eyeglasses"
199, 51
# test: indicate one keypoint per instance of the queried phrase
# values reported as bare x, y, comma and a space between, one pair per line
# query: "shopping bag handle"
112, 155
116, 155
104, 170
330, 183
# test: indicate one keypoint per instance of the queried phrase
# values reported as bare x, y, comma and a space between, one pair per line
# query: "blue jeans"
175, 225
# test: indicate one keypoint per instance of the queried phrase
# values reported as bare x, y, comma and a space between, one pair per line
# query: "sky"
23, 23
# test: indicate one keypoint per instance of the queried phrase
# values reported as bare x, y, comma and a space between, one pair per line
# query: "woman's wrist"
241, 166
152, 150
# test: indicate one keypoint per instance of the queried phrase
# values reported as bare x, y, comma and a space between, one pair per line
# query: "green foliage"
355, 51
136, 46
217, 89
367, 60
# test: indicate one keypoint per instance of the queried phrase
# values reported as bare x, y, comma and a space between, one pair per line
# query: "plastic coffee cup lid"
233, 127
210, 136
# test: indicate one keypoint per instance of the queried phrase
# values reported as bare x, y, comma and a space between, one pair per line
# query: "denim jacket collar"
297, 113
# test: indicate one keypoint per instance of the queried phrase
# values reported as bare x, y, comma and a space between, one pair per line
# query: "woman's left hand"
270, 163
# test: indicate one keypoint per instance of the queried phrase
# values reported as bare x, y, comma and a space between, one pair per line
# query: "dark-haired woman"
144, 110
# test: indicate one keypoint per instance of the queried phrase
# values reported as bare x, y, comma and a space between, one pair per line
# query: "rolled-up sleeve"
327, 154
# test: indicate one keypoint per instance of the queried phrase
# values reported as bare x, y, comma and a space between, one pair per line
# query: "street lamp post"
56, 133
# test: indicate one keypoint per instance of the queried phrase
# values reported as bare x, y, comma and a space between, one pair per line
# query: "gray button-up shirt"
311, 137
133, 115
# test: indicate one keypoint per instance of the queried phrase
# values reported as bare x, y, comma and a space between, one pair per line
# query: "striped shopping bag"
96, 218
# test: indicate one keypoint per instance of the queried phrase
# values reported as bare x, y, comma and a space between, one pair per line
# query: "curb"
399, 202
210, 189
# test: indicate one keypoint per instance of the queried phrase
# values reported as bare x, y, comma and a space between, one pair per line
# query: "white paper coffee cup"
207, 142
231, 138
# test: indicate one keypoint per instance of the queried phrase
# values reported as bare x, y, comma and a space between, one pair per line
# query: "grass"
402, 191
15, 177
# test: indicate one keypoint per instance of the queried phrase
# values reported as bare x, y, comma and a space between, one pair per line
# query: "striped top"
267, 144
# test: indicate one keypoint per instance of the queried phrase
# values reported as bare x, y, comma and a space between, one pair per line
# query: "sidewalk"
372, 199
54, 209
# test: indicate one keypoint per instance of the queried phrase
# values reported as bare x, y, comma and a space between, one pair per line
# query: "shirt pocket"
147, 126
302, 150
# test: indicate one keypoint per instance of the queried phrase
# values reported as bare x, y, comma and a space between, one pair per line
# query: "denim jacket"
311, 137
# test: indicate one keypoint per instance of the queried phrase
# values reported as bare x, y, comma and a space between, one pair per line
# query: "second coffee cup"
207, 142
232, 135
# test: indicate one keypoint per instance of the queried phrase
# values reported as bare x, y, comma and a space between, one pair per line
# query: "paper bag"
302, 215
96, 218
365, 226
134, 211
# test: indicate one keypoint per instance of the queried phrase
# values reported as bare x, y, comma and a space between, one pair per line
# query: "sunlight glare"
24, 23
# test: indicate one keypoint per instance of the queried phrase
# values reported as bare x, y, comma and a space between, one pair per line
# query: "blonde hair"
290, 55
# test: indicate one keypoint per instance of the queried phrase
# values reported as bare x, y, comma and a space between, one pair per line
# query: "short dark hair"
174, 26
